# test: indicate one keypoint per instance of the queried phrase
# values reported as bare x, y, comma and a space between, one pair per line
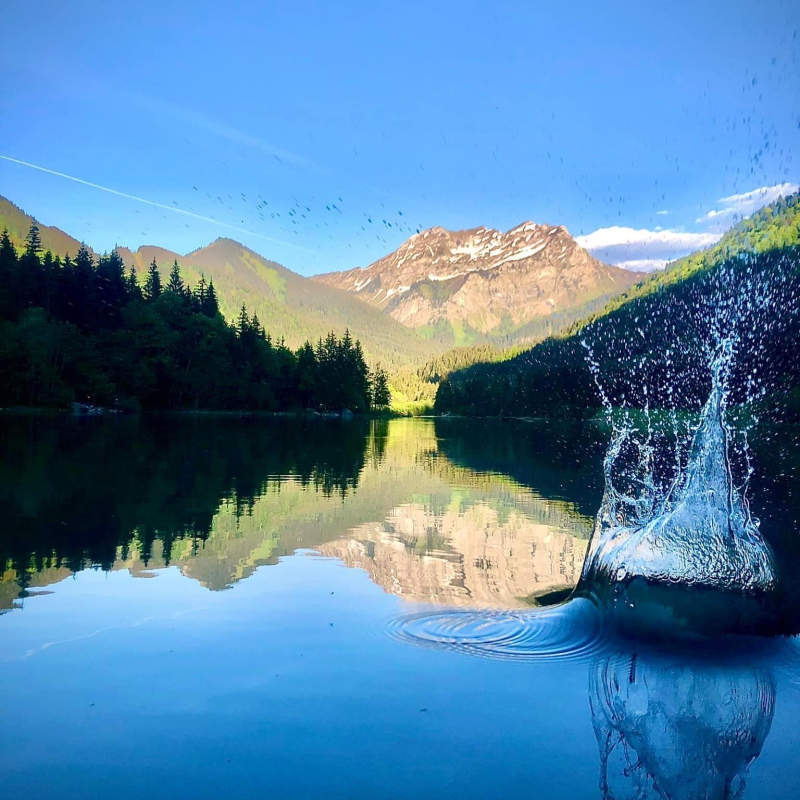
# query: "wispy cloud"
736, 206
639, 248
164, 207
662, 213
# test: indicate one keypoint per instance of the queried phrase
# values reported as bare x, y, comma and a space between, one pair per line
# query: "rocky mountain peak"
483, 277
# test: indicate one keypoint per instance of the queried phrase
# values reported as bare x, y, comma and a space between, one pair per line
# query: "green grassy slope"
17, 222
775, 226
288, 304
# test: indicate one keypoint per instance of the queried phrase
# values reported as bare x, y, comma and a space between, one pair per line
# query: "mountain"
287, 304
482, 279
658, 329
17, 223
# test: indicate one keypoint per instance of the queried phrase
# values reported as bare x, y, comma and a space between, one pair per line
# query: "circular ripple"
572, 631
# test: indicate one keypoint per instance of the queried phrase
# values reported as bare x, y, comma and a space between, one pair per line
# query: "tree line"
89, 330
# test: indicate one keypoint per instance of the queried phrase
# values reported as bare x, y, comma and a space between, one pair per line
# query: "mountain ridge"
482, 278
553, 378
17, 222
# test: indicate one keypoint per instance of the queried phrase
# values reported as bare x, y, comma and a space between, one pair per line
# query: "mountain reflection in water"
220, 497
430, 511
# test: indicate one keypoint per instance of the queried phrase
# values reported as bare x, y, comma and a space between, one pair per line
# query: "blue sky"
323, 134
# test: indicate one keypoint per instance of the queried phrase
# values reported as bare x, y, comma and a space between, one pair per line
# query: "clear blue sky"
592, 115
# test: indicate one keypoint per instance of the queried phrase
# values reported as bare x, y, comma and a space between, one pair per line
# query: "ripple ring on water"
572, 631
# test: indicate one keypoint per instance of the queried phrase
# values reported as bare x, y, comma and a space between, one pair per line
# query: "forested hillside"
289, 305
295, 307
657, 330
414, 389
93, 332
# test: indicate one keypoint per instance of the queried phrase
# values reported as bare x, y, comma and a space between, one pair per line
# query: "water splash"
673, 516
700, 531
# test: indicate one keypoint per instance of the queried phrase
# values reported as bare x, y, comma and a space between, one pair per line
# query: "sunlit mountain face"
483, 279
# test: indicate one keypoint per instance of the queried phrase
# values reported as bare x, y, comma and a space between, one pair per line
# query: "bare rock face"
483, 277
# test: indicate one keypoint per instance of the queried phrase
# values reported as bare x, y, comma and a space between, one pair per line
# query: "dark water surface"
242, 608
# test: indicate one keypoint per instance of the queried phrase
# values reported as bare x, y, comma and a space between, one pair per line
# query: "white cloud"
644, 264
644, 250
639, 248
737, 206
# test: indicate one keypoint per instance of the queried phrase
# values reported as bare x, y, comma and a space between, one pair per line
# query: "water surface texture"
229, 607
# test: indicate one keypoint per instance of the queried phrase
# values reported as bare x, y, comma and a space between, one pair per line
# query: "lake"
223, 607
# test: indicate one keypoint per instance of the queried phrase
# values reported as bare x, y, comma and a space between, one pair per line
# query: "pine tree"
307, 375
200, 293
361, 377
30, 286
152, 286
50, 267
210, 304
33, 241
8, 274
82, 295
8, 255
243, 323
381, 396
132, 288
111, 288
347, 342
175, 281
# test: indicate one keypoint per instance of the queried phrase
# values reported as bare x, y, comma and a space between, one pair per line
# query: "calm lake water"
231, 608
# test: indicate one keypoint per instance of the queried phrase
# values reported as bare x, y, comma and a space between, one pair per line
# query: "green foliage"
85, 331
298, 308
289, 304
152, 286
414, 391
126, 485
774, 227
381, 395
